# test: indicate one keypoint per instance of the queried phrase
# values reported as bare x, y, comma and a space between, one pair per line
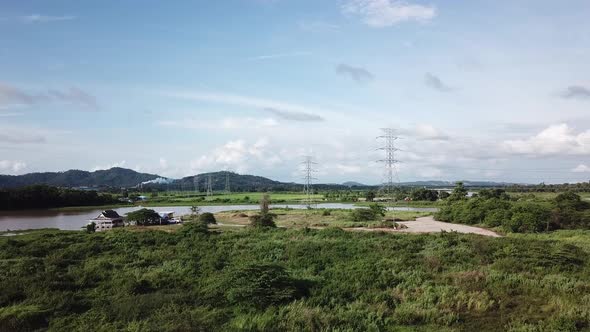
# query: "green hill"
114, 177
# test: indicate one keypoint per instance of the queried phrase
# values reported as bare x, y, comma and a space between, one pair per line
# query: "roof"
111, 214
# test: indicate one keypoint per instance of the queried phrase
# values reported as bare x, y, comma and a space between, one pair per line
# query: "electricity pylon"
210, 185
196, 183
227, 187
308, 171
389, 136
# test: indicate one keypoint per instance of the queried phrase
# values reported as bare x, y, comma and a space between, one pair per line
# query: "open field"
313, 218
293, 280
187, 198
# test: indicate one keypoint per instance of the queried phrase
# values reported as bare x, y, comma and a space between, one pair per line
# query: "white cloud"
237, 155
225, 123
385, 13
348, 169
38, 18
105, 167
581, 169
554, 140
428, 132
12, 166
430, 173
249, 102
278, 55
163, 163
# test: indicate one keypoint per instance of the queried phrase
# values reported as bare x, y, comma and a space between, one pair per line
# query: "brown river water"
75, 220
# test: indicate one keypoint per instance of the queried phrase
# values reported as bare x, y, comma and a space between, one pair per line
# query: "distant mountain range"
121, 177
114, 177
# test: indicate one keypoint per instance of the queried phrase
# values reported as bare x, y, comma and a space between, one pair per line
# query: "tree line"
43, 197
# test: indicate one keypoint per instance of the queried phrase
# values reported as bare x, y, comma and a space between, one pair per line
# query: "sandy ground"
429, 225
420, 225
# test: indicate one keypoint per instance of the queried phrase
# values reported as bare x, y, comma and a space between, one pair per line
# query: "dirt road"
420, 225
429, 225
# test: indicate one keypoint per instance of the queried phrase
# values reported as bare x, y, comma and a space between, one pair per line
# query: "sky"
475, 89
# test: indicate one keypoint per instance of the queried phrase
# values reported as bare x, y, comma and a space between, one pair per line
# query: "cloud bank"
385, 13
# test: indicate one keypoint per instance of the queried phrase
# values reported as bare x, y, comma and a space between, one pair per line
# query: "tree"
374, 212
264, 204
423, 194
144, 217
195, 210
207, 218
264, 219
91, 227
459, 192
370, 196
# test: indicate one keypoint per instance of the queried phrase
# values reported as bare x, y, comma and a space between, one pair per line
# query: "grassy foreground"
293, 280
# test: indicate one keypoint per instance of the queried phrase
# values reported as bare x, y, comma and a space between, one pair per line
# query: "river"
75, 220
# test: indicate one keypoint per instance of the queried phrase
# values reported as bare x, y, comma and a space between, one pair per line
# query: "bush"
194, 227
263, 220
528, 217
260, 285
91, 227
208, 218
374, 212
326, 213
497, 217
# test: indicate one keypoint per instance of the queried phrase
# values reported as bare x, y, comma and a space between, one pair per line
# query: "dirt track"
429, 225
420, 225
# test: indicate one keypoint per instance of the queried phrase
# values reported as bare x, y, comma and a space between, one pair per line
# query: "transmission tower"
227, 187
308, 171
210, 185
389, 137
196, 183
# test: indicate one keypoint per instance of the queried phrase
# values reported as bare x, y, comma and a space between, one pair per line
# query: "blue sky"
478, 90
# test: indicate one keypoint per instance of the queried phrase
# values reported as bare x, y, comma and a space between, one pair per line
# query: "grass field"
313, 218
244, 279
186, 198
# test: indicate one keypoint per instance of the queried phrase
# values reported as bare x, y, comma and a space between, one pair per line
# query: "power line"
389, 136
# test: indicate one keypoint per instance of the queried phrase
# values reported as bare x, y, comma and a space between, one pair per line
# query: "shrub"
260, 285
193, 228
207, 218
263, 220
326, 213
91, 227
497, 217
374, 212
528, 217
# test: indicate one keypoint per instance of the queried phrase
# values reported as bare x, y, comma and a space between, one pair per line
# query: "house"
107, 220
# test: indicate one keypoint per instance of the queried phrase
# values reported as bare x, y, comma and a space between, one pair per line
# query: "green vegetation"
43, 197
144, 217
265, 219
495, 208
115, 177
316, 218
207, 218
374, 212
293, 280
